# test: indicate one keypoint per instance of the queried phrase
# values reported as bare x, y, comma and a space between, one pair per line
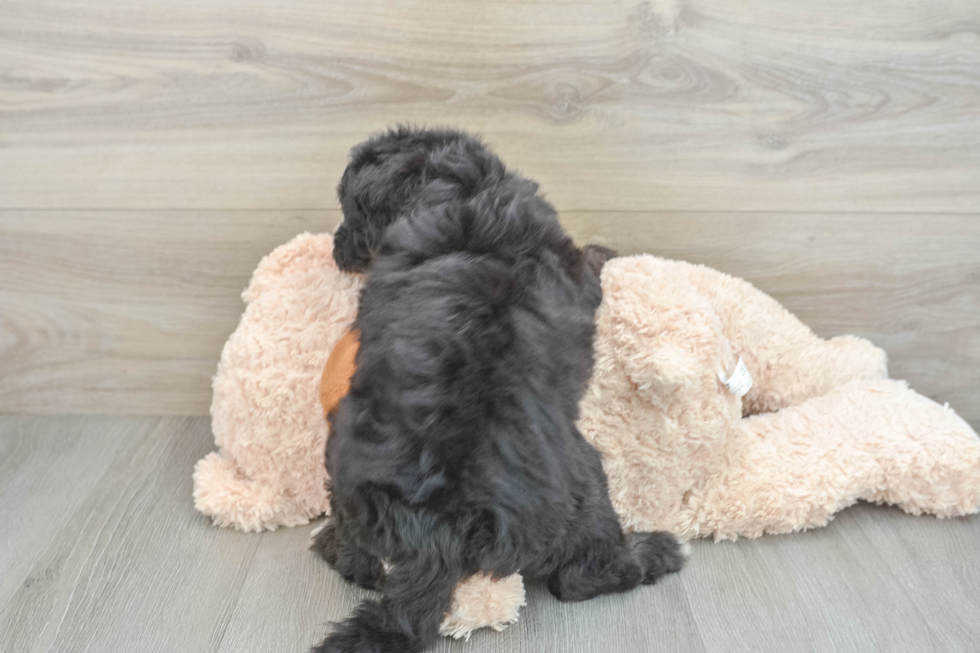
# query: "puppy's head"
393, 172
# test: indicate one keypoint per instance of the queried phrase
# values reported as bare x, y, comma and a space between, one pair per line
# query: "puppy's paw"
658, 554
326, 542
361, 569
316, 531
354, 564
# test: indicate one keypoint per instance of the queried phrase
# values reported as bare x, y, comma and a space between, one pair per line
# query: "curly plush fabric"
821, 428
266, 413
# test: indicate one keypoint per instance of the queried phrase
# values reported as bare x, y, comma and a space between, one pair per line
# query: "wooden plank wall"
152, 152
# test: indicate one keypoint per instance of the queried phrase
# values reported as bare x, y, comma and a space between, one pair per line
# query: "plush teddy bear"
820, 428
266, 412
716, 411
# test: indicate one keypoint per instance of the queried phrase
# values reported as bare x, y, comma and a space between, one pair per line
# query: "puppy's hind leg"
658, 554
603, 560
614, 563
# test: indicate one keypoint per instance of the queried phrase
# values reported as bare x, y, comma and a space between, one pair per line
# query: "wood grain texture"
290, 595
616, 105
825, 590
134, 567
129, 565
47, 468
127, 311
924, 560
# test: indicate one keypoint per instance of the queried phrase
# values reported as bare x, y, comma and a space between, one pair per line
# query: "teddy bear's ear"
306, 254
659, 328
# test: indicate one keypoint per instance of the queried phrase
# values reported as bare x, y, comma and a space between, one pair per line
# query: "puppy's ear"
355, 248
596, 256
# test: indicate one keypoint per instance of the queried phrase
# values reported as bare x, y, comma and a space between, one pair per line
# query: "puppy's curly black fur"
394, 171
456, 450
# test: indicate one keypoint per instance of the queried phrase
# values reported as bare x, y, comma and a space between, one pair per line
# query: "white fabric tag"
740, 382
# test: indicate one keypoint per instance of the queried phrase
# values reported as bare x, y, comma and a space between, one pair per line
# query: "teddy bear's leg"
226, 494
872, 440
787, 361
352, 562
603, 560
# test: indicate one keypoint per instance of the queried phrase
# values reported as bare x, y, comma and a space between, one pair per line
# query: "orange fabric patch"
335, 382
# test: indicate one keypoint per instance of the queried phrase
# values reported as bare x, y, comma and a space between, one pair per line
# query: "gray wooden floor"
101, 550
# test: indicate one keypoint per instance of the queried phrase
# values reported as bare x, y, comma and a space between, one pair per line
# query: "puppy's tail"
406, 620
418, 593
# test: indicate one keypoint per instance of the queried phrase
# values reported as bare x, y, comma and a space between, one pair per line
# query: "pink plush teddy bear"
717, 413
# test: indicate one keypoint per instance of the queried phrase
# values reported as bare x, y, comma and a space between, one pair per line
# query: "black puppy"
456, 450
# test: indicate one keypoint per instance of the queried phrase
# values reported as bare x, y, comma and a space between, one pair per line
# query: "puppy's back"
476, 324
